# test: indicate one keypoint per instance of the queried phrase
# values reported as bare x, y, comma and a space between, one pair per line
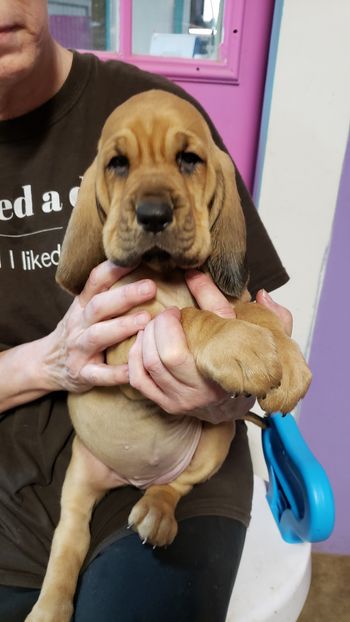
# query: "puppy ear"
227, 261
82, 247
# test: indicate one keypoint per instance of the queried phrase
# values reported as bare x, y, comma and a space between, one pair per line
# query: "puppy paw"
242, 359
154, 520
296, 379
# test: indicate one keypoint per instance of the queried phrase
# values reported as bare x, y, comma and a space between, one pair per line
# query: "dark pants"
190, 581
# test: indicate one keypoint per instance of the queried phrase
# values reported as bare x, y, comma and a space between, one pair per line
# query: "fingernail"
145, 288
141, 319
175, 311
266, 295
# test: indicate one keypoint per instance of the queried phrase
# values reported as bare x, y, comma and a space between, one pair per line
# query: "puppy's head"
159, 192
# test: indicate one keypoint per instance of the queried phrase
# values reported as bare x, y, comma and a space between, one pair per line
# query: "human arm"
72, 356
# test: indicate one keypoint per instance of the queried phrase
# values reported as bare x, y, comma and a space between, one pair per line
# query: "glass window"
177, 28
85, 24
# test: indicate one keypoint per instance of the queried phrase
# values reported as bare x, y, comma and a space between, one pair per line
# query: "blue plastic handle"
299, 492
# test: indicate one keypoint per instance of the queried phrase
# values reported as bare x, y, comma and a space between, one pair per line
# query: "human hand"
164, 370
95, 321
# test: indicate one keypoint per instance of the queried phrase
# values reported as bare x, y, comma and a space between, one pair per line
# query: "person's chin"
16, 61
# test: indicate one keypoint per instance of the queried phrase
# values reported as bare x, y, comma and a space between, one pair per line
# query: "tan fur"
251, 354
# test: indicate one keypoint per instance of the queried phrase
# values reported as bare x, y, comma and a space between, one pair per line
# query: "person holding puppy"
53, 103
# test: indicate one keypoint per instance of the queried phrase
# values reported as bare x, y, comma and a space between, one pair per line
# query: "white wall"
306, 142
304, 152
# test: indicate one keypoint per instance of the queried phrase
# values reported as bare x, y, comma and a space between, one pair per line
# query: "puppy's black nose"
154, 213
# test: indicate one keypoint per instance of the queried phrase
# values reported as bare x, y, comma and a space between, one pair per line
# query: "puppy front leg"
70, 542
238, 355
296, 375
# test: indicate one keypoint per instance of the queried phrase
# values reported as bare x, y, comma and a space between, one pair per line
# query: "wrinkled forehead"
155, 120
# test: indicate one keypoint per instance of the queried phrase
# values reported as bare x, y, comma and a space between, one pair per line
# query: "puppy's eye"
119, 165
187, 161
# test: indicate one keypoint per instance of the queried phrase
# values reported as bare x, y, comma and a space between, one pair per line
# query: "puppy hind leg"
71, 541
153, 516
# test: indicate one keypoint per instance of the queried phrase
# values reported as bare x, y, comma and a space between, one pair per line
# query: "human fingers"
148, 375
117, 301
101, 278
139, 377
103, 375
207, 294
282, 313
154, 380
167, 359
165, 340
100, 336
172, 366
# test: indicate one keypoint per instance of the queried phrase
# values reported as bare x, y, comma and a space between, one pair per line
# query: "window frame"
223, 71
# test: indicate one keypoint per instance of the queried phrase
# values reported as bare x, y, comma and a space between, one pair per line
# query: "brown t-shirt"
42, 158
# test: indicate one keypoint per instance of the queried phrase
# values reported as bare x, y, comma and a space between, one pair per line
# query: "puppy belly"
159, 469
137, 440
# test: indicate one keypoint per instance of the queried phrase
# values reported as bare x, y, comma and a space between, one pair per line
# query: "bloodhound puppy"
160, 196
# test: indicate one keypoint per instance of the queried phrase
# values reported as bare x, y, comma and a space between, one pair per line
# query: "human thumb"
282, 313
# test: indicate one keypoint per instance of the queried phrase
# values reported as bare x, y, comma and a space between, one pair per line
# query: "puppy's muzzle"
154, 213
